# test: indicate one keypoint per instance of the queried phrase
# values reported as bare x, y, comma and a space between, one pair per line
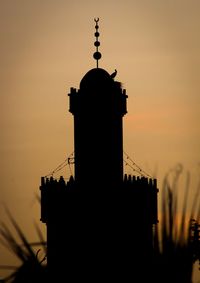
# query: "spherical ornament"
97, 55
97, 34
97, 43
96, 27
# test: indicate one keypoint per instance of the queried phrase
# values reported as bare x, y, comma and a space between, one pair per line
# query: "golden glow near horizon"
47, 47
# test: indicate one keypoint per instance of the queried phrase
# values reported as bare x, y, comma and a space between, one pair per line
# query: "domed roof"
95, 78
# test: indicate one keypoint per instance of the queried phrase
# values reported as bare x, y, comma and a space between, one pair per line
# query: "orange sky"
47, 47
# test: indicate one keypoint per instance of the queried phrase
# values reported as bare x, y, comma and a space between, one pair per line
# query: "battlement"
142, 195
79, 101
53, 184
144, 191
139, 181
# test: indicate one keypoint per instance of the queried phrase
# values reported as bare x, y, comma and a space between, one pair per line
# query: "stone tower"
99, 223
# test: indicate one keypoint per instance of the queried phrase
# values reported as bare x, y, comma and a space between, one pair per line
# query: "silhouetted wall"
86, 232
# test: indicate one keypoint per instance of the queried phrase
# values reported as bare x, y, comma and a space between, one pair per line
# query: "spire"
97, 54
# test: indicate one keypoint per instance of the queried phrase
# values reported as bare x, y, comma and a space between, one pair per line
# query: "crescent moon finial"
97, 54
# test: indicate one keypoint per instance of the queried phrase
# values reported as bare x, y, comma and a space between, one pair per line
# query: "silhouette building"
100, 222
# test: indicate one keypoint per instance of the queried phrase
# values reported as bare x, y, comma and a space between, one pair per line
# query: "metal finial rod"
97, 54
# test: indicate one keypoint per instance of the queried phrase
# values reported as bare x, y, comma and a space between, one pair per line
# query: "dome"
96, 78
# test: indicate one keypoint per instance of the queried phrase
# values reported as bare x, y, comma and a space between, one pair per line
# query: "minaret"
98, 108
99, 223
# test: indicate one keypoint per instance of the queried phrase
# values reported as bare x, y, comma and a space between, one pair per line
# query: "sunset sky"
47, 47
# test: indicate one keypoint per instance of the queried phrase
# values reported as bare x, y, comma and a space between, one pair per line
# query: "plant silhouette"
177, 241
32, 268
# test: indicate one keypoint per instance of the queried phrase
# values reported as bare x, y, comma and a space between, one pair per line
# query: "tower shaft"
98, 109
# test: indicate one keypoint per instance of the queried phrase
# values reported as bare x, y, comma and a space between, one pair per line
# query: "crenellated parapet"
144, 192
141, 191
83, 99
52, 192
139, 181
73, 105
